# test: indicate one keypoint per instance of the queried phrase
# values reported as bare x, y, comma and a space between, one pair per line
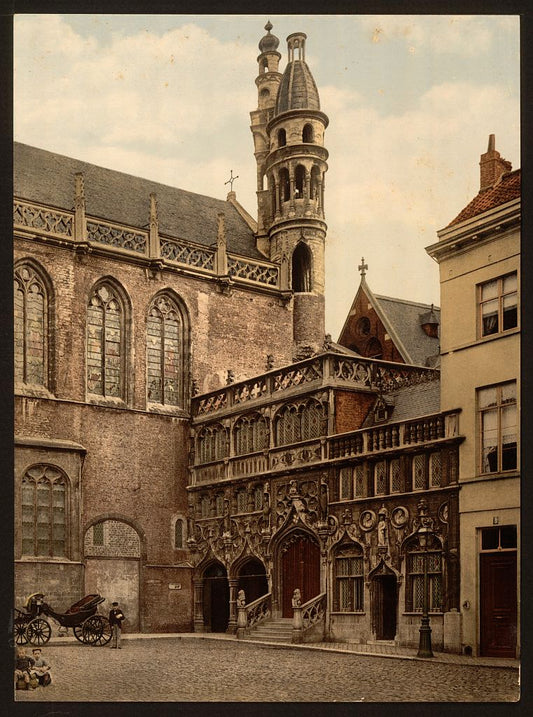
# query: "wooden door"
498, 601
300, 568
384, 606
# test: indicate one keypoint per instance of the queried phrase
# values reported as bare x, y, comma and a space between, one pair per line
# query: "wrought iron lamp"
424, 645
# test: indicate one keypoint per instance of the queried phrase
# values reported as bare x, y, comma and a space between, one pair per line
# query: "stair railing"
306, 616
250, 615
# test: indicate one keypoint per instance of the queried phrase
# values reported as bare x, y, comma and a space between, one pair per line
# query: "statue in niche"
226, 519
297, 503
347, 516
382, 530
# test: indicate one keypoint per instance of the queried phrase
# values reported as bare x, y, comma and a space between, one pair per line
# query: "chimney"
492, 166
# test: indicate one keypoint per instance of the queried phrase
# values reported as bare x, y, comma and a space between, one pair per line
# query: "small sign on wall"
174, 586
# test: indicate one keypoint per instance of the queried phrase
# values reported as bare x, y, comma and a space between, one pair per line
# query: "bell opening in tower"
301, 269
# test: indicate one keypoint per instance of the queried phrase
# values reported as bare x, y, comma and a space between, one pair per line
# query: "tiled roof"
505, 191
412, 401
297, 89
404, 317
48, 178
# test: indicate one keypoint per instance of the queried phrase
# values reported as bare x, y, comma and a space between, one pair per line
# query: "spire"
298, 89
268, 43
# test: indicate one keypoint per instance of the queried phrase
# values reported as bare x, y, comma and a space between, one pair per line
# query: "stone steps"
279, 630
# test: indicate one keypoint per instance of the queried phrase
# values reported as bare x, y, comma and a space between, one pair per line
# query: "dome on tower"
269, 42
297, 90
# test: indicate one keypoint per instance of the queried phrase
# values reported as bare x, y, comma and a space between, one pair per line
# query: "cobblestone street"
197, 670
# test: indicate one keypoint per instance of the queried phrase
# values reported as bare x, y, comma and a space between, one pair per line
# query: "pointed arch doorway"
252, 579
216, 598
384, 600
299, 568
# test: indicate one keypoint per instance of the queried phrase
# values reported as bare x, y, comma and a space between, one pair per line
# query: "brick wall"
351, 410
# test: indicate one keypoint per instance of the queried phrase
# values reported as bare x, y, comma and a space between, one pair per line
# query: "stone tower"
288, 129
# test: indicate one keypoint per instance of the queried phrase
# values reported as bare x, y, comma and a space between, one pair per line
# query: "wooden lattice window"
346, 483
251, 434
219, 504
31, 327
204, 506
394, 470
98, 533
419, 472
359, 480
435, 470
258, 497
380, 478
43, 497
242, 501
349, 579
414, 594
105, 343
165, 353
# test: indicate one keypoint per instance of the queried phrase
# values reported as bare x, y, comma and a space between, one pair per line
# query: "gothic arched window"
105, 343
250, 434
43, 498
178, 533
165, 352
31, 327
300, 423
301, 268
212, 443
308, 134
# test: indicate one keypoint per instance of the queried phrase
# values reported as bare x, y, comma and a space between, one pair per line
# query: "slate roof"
404, 318
48, 178
297, 89
412, 401
505, 191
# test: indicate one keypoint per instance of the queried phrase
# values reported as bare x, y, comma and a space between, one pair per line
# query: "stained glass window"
349, 580
164, 353
30, 331
417, 562
105, 343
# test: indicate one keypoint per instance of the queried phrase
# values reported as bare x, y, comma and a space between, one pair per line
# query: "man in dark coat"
116, 616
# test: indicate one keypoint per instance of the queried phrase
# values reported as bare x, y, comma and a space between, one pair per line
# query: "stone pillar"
80, 223
154, 250
297, 620
232, 624
241, 615
199, 605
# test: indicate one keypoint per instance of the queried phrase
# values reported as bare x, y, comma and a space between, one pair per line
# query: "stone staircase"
272, 630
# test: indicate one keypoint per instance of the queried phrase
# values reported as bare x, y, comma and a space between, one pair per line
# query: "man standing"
116, 616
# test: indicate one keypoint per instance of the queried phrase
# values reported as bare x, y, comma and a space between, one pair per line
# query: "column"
199, 605
232, 624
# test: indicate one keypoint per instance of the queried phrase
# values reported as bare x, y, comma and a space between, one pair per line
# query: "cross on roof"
231, 180
363, 268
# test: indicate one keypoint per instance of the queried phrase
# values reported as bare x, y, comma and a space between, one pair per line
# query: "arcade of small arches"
291, 423
296, 183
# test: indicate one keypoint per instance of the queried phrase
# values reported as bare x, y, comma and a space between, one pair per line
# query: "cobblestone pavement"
201, 670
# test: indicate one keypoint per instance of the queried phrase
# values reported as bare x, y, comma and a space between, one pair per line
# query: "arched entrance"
384, 597
299, 568
216, 598
253, 579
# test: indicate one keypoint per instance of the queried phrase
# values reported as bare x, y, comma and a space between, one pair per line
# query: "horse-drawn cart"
31, 625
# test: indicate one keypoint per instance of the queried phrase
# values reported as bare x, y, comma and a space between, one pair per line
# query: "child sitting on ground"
41, 668
24, 679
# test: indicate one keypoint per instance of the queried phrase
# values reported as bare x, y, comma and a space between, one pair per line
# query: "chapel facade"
160, 464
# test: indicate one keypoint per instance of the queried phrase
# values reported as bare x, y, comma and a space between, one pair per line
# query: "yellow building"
479, 259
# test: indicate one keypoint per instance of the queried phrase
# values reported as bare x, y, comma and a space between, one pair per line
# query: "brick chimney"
492, 166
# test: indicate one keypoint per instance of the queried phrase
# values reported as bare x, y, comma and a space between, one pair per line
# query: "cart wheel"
38, 631
93, 630
78, 632
107, 632
20, 631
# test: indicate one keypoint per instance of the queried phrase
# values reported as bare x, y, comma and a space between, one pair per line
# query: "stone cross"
363, 268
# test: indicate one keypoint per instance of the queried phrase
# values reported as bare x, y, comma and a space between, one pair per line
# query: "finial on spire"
231, 180
269, 26
363, 268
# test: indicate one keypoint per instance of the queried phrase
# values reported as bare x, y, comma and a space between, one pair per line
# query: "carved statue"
227, 521
241, 598
266, 506
347, 516
382, 531
296, 598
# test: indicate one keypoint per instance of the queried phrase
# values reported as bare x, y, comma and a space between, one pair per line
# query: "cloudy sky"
411, 102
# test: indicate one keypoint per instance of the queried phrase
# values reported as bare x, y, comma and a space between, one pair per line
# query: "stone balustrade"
307, 616
248, 616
